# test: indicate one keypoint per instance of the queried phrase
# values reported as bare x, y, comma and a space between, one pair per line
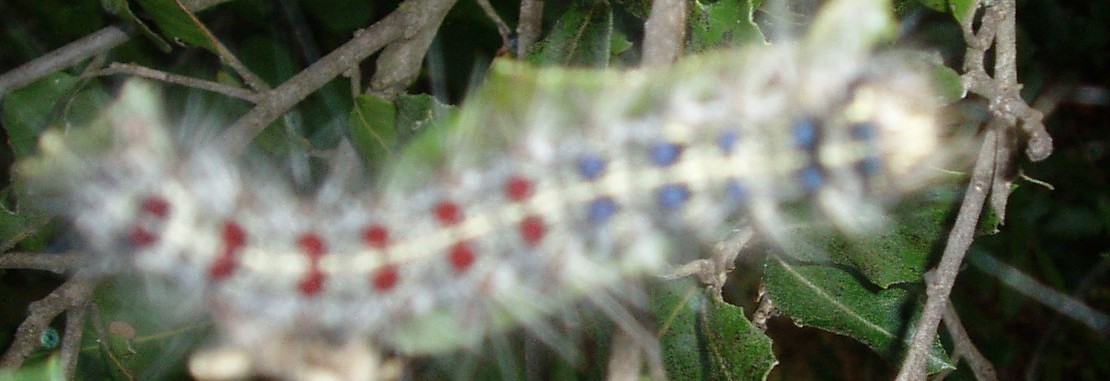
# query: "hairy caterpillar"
565, 187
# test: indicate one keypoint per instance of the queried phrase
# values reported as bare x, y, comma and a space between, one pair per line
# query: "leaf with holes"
702, 338
723, 24
838, 301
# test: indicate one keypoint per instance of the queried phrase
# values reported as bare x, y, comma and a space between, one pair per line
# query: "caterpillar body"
555, 185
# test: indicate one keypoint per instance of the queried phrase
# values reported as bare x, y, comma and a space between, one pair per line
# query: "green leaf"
703, 338
900, 253
581, 37
638, 8
28, 110
936, 5
723, 24
374, 129
379, 128
17, 226
122, 8
342, 16
620, 43
903, 8
419, 112
49, 370
134, 334
837, 301
962, 9
948, 82
178, 23
55, 99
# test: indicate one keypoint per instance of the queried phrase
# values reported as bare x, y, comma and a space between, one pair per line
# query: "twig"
664, 32
528, 27
252, 80
996, 30
56, 263
277, 101
940, 280
713, 272
1090, 280
979, 365
197, 83
502, 28
62, 58
399, 64
71, 341
1031, 288
74, 292
77, 51
302, 34
625, 358
355, 81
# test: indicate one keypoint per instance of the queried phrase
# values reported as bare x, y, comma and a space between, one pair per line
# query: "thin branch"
73, 53
1031, 288
252, 80
713, 272
400, 62
664, 32
61, 58
74, 292
196, 83
279, 100
502, 28
529, 25
625, 359
355, 76
997, 30
71, 341
978, 364
940, 280
56, 263
302, 34
1090, 280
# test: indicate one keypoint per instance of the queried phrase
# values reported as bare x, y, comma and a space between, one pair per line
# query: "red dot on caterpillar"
461, 256
386, 278
448, 213
518, 188
376, 236
313, 246
313, 283
155, 206
532, 229
234, 237
141, 237
223, 267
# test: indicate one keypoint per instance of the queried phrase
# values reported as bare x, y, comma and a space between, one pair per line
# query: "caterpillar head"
902, 106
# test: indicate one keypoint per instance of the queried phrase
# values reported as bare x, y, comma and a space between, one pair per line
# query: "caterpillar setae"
553, 185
